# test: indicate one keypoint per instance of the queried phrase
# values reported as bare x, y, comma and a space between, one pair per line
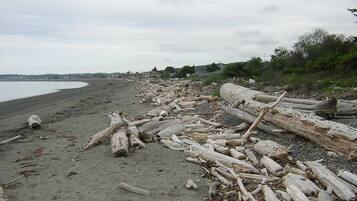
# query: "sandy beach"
47, 163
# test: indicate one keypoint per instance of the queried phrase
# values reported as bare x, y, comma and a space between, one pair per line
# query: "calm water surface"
16, 90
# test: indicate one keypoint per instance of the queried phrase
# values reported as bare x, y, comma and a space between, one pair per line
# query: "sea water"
19, 89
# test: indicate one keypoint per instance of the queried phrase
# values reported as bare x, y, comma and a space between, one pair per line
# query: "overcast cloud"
76, 36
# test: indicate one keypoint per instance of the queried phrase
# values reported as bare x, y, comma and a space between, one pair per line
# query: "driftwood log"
271, 149
34, 121
330, 180
331, 135
120, 143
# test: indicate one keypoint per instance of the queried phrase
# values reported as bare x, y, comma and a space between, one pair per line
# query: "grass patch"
214, 78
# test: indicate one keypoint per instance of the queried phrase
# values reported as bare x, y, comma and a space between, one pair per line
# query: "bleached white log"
120, 143
236, 154
296, 194
348, 176
224, 136
191, 185
334, 136
271, 149
324, 196
272, 166
102, 136
283, 195
220, 177
133, 189
34, 121
304, 184
329, 179
171, 130
251, 156
269, 195
215, 156
115, 118
301, 166
172, 145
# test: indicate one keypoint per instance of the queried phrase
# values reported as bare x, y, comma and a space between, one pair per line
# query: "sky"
78, 36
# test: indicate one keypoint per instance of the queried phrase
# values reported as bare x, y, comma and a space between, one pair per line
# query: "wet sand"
47, 163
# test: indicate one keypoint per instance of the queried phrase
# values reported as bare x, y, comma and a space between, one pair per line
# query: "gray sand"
55, 169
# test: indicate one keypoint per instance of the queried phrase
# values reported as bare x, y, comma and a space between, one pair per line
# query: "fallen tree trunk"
34, 121
331, 135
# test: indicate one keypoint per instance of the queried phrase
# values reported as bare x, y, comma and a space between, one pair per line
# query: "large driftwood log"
348, 176
102, 136
333, 136
215, 156
34, 121
120, 143
329, 179
305, 185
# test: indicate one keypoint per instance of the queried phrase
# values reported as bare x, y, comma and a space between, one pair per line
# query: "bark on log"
134, 140
269, 195
271, 149
304, 184
348, 176
215, 156
329, 179
34, 121
120, 143
331, 135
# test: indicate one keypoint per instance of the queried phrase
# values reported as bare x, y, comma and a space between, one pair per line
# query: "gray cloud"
62, 36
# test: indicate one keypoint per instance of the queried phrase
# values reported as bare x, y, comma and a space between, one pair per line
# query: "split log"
271, 149
305, 185
272, 166
296, 194
34, 121
329, 179
119, 143
269, 195
324, 196
348, 176
102, 136
215, 156
331, 135
133, 189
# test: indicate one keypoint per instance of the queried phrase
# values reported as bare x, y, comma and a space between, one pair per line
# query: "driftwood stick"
263, 112
10, 139
133, 189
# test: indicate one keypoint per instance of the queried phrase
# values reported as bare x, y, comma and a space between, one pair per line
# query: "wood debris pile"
241, 166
